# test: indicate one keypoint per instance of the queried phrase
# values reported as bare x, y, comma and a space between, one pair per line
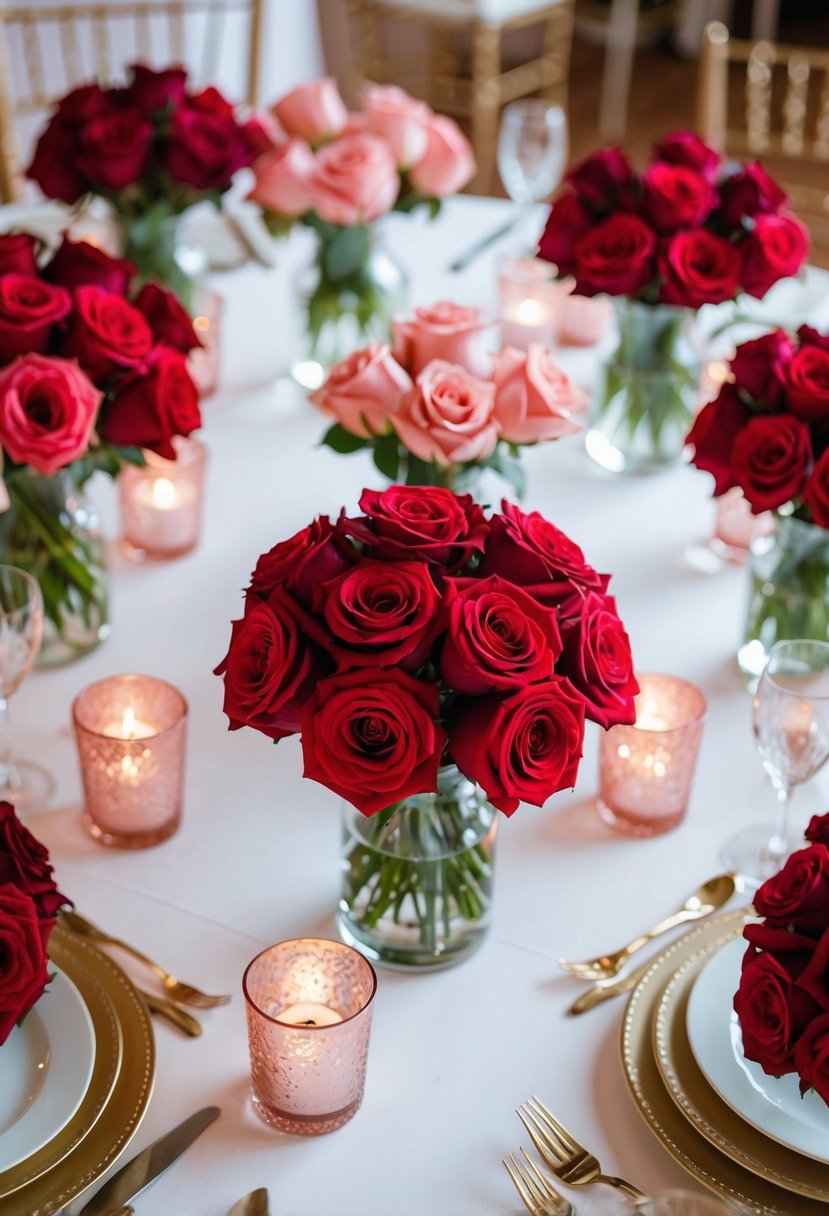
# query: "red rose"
773, 1011
79, 264
818, 830
47, 411
169, 321
617, 257
811, 1057
799, 894
567, 222
698, 268
750, 192
106, 334
806, 380
809, 336
759, 366
23, 972
381, 613
206, 145
498, 637
17, 253
598, 662
418, 523
712, 437
520, 747
373, 737
55, 165
29, 309
777, 246
674, 196
155, 91
309, 558
600, 177
271, 667
771, 458
686, 148
814, 978
114, 148
148, 411
24, 861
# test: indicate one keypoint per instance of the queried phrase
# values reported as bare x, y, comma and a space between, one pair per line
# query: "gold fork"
568, 1159
185, 994
537, 1192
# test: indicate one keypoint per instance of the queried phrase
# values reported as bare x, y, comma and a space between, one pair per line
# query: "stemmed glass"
22, 783
791, 733
532, 151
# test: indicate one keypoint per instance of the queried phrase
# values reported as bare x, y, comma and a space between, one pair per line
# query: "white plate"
771, 1104
46, 1067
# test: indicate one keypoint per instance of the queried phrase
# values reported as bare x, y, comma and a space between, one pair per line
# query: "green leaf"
340, 440
347, 252
387, 455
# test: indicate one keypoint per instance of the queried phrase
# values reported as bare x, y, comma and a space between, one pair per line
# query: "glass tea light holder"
131, 734
161, 503
646, 770
530, 300
309, 1005
203, 361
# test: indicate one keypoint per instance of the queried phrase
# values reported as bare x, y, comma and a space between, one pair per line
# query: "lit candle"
309, 1013
130, 727
161, 503
530, 301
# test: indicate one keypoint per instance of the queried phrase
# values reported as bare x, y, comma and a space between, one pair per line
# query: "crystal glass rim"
698, 718
77, 706
538, 107
790, 692
34, 587
298, 941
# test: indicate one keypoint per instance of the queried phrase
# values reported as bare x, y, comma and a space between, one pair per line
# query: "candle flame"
532, 313
128, 723
164, 493
201, 324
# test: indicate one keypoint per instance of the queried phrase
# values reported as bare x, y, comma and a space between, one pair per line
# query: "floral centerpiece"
437, 409
338, 174
90, 374
29, 901
152, 149
690, 230
437, 664
766, 432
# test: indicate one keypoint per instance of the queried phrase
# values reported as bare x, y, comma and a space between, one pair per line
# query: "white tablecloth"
256, 858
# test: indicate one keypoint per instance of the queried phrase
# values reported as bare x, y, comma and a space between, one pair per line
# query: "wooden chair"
45, 51
463, 77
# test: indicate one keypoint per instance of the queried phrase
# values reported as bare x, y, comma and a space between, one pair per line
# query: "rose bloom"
106, 333
534, 399
29, 310
771, 458
598, 661
601, 177
533, 553
150, 409
153, 91
55, 165
448, 162
799, 894
759, 366
750, 192
698, 268
310, 557
355, 180
283, 179
313, 112
777, 247
712, 437
206, 145
814, 978
811, 1057
168, 320
80, 264
419, 523
398, 119
567, 222
24, 861
47, 411
772, 1009
114, 148
442, 331
17, 253
686, 148
448, 416
818, 830
23, 964
675, 196
617, 257
806, 381
364, 392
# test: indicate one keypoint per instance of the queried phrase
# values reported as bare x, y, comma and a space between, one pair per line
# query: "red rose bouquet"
689, 230
421, 650
90, 374
29, 900
783, 998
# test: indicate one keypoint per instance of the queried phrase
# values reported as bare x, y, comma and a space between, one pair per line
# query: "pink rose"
398, 119
283, 179
448, 416
533, 397
315, 112
364, 391
355, 180
443, 331
47, 409
448, 162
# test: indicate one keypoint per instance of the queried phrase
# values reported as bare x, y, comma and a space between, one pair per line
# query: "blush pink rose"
47, 410
448, 416
283, 179
443, 331
448, 162
398, 119
533, 397
314, 112
364, 391
355, 180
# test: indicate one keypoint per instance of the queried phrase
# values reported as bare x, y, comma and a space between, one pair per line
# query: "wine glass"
532, 152
22, 783
791, 732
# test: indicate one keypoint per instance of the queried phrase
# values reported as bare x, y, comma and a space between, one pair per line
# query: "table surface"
255, 861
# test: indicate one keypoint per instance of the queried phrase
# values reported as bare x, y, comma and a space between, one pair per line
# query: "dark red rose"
154, 91
780, 941
818, 830
598, 662
82, 104
148, 411
17, 253
799, 894
114, 148
498, 637
380, 614
23, 971
809, 336
169, 321
600, 177
29, 310
806, 380
674, 196
79, 264
772, 1009
811, 1057
749, 193
55, 165
24, 861
698, 268
418, 523
373, 737
771, 458
712, 437
300, 564
206, 145
758, 366
686, 148
523, 746
617, 257
777, 246
106, 333
814, 978
567, 222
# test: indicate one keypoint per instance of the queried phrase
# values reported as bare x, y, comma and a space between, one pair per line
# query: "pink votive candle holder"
203, 361
529, 302
161, 503
131, 734
646, 770
309, 1004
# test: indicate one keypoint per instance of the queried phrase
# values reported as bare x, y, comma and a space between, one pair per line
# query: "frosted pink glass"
203, 363
133, 787
735, 527
646, 770
530, 302
161, 503
307, 1080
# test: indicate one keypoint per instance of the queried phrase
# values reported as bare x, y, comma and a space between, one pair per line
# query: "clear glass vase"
417, 877
647, 391
163, 252
52, 531
788, 590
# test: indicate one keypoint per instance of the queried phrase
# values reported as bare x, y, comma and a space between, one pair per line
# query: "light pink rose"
399, 119
355, 180
448, 416
442, 331
283, 179
315, 111
533, 397
47, 410
364, 392
448, 162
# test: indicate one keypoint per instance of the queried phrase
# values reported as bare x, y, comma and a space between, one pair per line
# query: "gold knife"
603, 990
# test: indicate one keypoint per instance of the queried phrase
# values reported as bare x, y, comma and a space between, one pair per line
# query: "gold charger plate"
685, 1144
124, 1108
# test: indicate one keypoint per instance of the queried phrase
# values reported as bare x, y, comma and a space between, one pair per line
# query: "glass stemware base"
28, 788
749, 854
